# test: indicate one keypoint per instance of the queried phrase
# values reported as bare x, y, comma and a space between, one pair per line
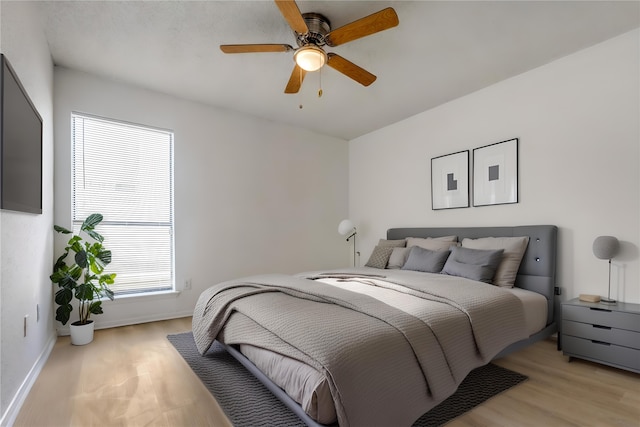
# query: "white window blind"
125, 172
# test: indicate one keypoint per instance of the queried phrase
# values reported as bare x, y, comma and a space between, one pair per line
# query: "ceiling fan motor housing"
319, 27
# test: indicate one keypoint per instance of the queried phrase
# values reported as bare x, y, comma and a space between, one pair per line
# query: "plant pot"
81, 334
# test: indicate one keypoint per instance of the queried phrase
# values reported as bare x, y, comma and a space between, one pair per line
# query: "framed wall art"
450, 181
495, 173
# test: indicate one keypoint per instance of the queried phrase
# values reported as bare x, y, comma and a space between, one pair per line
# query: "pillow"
514, 248
398, 257
401, 243
432, 243
474, 264
379, 257
426, 260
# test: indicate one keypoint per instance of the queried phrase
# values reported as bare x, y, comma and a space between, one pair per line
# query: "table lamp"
606, 247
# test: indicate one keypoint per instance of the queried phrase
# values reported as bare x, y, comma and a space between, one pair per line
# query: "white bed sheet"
535, 309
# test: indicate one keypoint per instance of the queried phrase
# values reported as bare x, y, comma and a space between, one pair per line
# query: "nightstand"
608, 334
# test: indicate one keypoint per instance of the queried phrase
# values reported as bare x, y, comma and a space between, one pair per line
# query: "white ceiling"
440, 51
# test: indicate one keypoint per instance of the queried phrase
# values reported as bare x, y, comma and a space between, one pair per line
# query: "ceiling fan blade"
250, 48
350, 69
291, 13
379, 21
295, 81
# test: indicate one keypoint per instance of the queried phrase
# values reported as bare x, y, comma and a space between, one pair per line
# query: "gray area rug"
248, 403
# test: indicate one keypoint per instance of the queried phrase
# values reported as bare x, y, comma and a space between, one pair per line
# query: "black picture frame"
495, 173
450, 181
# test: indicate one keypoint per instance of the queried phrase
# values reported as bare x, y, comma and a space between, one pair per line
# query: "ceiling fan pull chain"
301, 76
320, 79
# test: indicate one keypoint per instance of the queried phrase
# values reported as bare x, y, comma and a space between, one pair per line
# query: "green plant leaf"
109, 293
61, 229
108, 278
64, 279
95, 235
104, 256
58, 276
63, 313
75, 272
96, 267
75, 244
96, 307
64, 296
84, 291
91, 222
81, 258
60, 262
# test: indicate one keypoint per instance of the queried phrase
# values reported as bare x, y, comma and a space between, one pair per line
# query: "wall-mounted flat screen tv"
21, 145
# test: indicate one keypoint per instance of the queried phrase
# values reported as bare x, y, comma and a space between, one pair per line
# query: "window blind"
125, 172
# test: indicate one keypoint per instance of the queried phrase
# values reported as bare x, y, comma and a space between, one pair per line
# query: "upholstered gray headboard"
537, 271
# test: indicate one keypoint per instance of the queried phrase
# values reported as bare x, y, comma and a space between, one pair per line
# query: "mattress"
309, 388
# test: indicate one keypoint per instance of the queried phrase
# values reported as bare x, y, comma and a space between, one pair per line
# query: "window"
125, 172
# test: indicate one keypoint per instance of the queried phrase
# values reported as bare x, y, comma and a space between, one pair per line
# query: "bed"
381, 346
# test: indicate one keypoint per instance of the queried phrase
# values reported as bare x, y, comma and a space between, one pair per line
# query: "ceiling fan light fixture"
310, 58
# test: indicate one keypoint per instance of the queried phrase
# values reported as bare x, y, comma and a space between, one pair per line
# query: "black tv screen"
21, 146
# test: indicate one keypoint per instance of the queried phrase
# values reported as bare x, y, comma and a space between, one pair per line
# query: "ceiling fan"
313, 31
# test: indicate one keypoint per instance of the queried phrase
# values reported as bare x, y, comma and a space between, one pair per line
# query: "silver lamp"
346, 227
606, 247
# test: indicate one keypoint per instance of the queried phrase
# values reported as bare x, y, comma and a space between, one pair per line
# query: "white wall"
26, 240
251, 196
579, 128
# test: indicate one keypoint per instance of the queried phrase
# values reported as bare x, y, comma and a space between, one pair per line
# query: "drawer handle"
599, 309
602, 327
600, 342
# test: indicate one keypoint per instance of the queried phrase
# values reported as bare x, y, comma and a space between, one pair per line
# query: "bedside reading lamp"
346, 227
606, 247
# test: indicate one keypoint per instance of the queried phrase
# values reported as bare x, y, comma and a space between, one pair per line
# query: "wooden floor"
132, 376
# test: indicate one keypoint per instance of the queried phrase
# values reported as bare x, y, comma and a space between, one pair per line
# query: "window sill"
148, 295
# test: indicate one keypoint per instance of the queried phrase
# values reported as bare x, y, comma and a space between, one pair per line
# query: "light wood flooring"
132, 376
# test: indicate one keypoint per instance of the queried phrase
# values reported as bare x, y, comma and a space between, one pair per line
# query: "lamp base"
607, 301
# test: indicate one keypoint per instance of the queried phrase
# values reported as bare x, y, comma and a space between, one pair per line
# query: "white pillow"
514, 248
398, 257
433, 243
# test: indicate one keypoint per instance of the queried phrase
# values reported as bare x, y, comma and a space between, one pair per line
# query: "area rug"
248, 403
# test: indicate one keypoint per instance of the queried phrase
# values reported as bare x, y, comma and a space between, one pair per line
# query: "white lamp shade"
346, 226
605, 247
310, 58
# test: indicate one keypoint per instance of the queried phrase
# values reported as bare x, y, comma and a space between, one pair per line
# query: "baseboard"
13, 409
64, 330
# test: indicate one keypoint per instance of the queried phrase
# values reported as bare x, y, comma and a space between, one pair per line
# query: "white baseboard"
10, 415
64, 330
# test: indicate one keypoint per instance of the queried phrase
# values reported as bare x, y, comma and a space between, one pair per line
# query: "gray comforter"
389, 357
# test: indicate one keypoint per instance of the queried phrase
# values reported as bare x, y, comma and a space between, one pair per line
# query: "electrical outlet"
187, 284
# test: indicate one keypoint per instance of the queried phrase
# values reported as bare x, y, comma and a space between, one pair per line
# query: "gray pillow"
474, 264
426, 260
514, 248
379, 257
398, 257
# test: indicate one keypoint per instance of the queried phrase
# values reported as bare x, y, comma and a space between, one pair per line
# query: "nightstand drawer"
601, 352
602, 333
602, 317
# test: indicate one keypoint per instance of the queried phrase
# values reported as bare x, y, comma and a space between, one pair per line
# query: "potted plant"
84, 279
